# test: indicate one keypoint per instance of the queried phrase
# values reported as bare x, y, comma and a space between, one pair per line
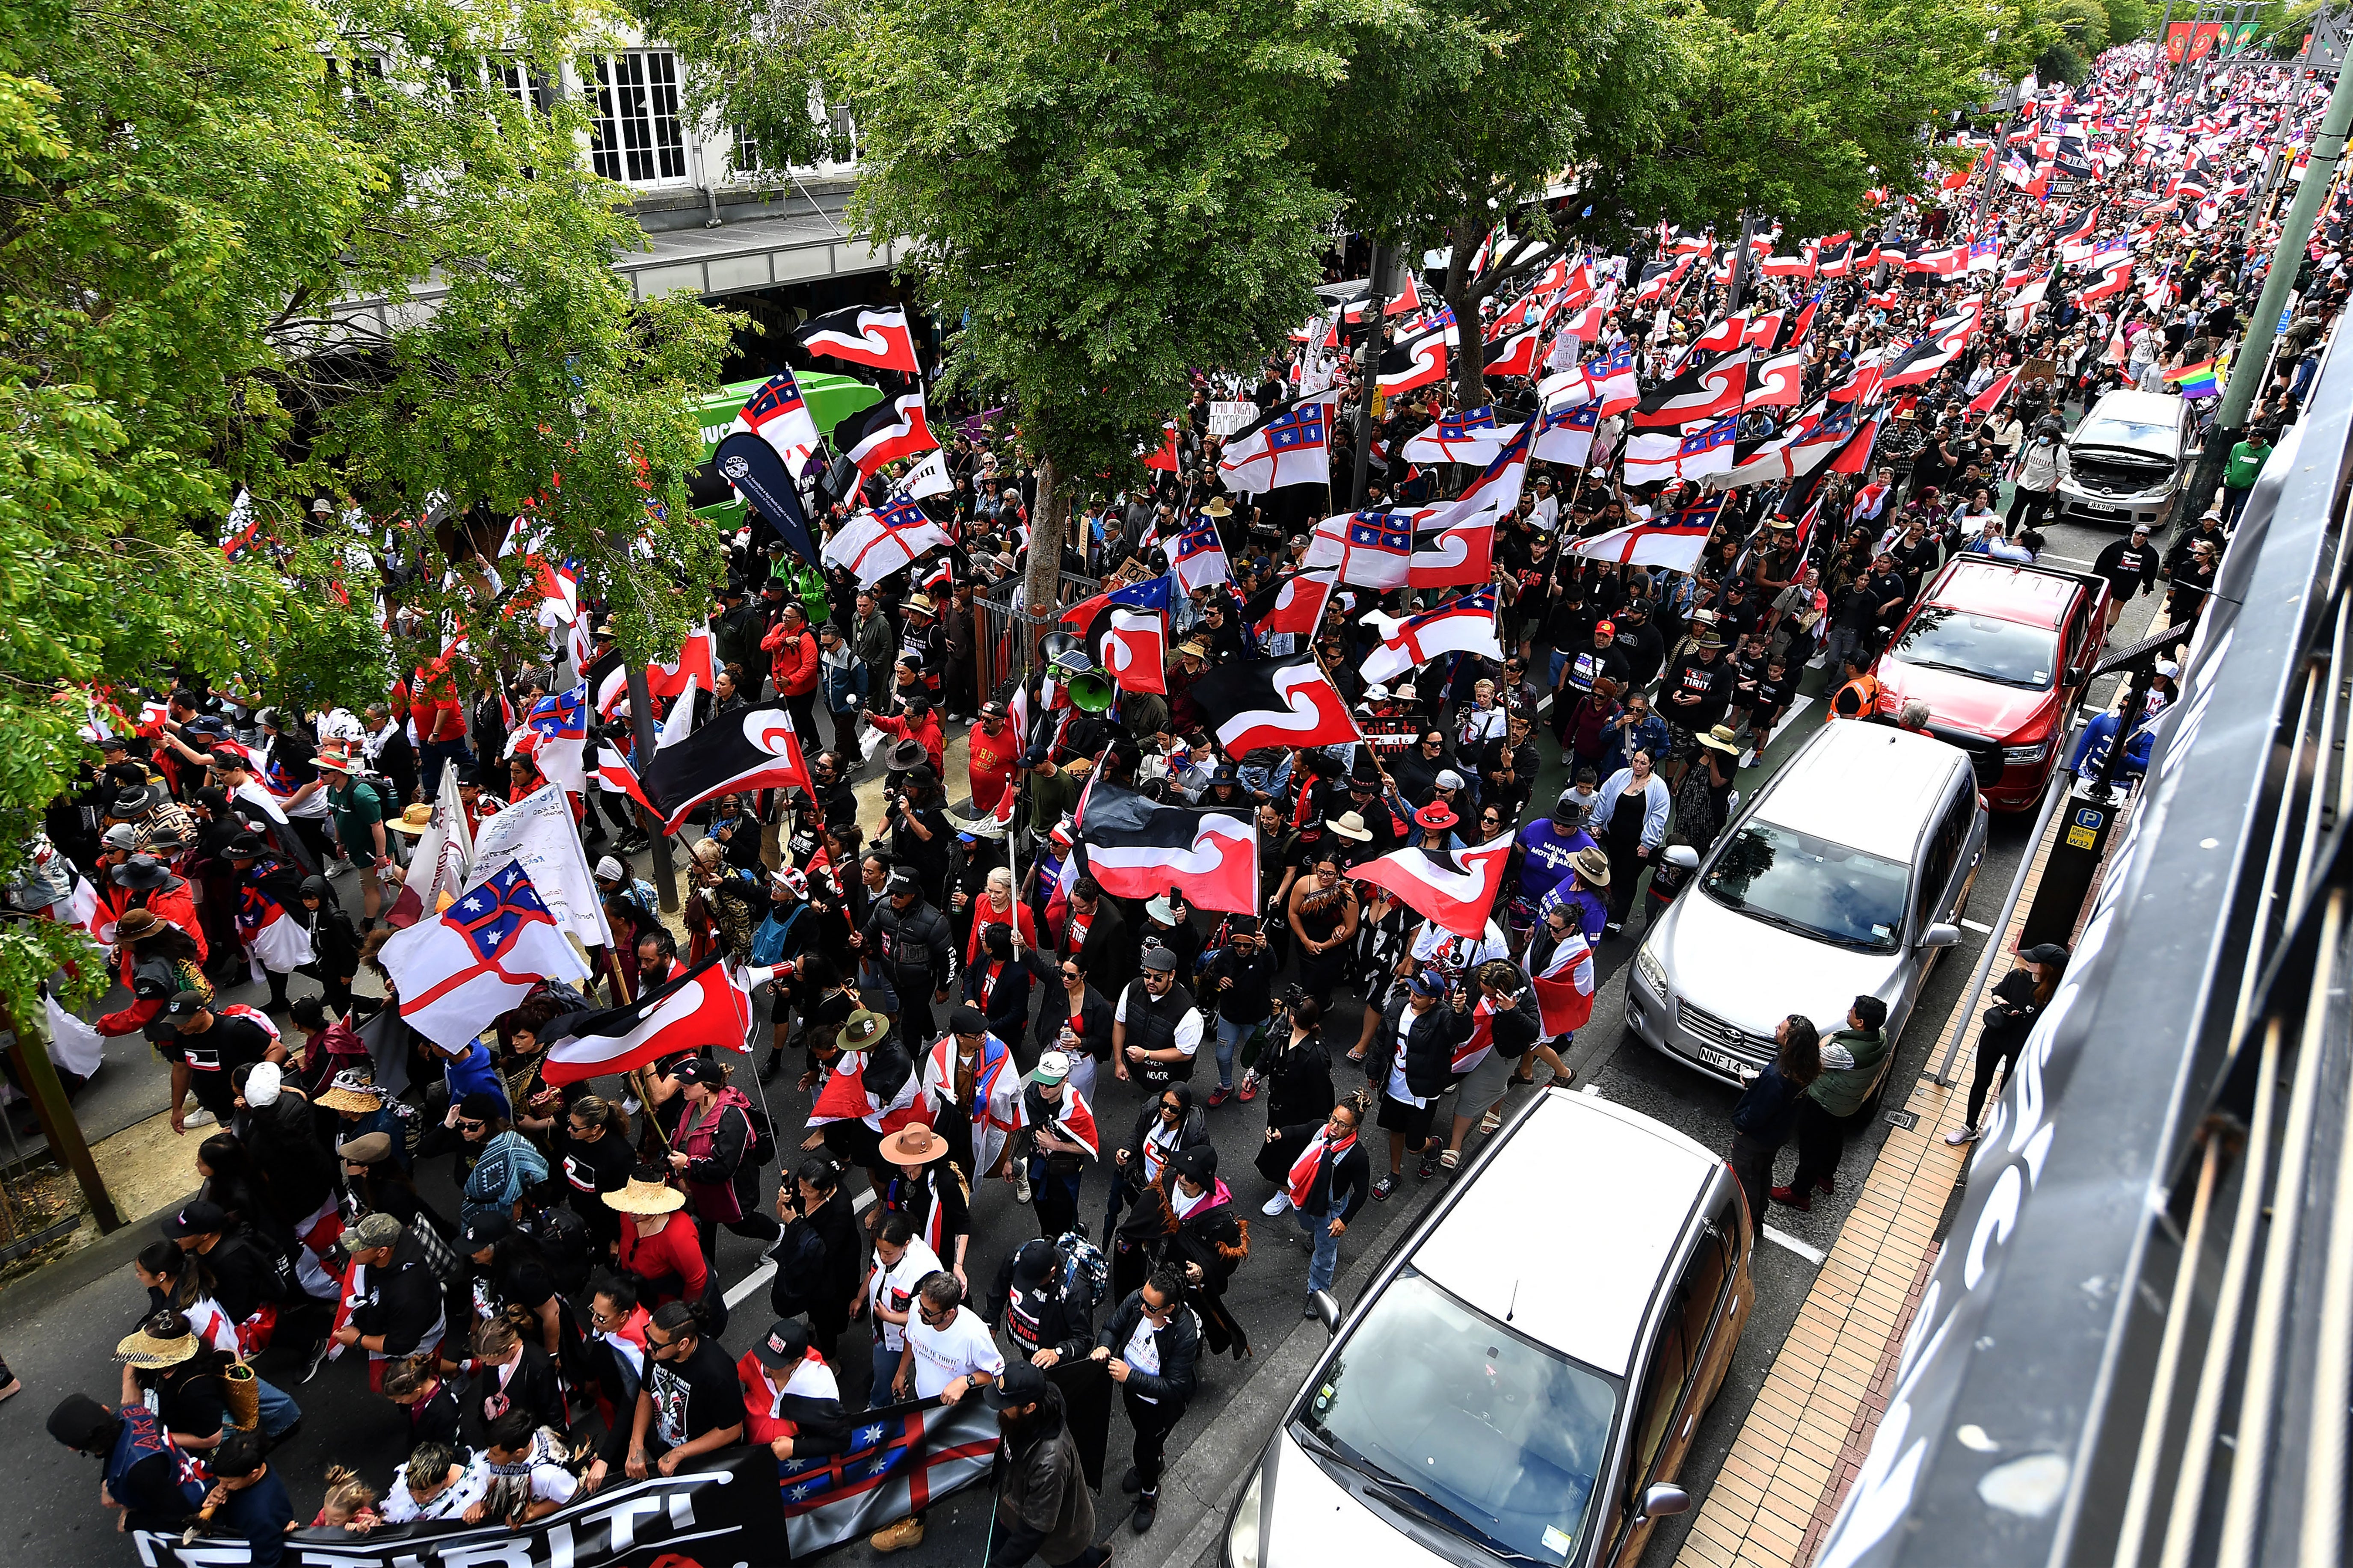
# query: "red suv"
2000, 652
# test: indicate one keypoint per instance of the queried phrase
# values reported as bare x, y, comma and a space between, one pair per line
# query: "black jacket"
1193, 1128
1429, 1048
531, 1386
1093, 1028
915, 945
1043, 1311
2012, 1017
334, 941
1109, 951
1519, 1027
1180, 1349
1298, 1078
1345, 1181
403, 1301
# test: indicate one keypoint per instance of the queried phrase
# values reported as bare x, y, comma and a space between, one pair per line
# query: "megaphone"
1065, 655
1090, 691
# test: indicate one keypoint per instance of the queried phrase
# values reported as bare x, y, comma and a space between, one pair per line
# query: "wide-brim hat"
1722, 739
1350, 825
352, 1091
908, 755
1218, 507
1435, 814
154, 1345
1160, 908
1193, 647
1592, 864
913, 1145
646, 1197
1708, 639
861, 1029
245, 846
413, 820
142, 874
136, 924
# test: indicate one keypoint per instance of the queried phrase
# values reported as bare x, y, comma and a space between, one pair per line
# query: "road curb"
1196, 1489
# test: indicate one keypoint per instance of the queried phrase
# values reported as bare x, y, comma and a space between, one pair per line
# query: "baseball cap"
1052, 1067
1034, 1261
369, 1232
1429, 982
199, 1218
1605, 628
1021, 1383
786, 1344
1159, 960
486, 1230
701, 1070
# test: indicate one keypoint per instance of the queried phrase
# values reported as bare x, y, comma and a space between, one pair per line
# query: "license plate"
1722, 1061
2102, 509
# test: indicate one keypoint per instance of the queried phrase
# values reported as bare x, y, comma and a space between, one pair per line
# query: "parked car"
2001, 654
1845, 877
2127, 460
1507, 1396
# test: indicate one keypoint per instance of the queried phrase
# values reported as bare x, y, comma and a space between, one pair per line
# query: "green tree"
1451, 125
2128, 19
1104, 197
1793, 110
2082, 23
193, 193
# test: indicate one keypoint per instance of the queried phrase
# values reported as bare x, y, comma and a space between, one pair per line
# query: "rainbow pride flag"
2203, 379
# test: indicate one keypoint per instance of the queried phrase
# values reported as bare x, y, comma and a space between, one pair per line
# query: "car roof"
2003, 591
1580, 1276
1866, 785
2142, 408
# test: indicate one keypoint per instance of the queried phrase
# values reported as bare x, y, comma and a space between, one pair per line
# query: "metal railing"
2136, 1346
997, 651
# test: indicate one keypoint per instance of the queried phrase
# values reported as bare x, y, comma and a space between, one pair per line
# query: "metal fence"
2136, 1346
996, 649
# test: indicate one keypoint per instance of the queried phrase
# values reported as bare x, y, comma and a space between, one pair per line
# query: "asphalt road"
58, 1330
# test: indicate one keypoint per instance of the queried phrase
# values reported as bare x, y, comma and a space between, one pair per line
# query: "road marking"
1592, 1089
1813, 1255
1977, 926
768, 1271
2065, 560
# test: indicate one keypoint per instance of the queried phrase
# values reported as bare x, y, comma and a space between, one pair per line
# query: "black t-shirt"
246, 1275
1587, 665
692, 1397
591, 1168
1710, 686
1250, 997
189, 1401
229, 1044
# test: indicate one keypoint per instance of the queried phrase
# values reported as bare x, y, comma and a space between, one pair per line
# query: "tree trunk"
1041, 586
1463, 296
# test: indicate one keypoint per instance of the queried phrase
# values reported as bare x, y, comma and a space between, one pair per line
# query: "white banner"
538, 830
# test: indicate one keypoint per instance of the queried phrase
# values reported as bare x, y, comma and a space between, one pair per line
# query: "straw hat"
1218, 507
1350, 825
913, 1145
351, 1091
413, 820
1723, 738
646, 1197
162, 1340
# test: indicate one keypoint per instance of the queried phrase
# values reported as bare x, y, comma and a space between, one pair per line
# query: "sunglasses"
1170, 1108
465, 1126
1070, 973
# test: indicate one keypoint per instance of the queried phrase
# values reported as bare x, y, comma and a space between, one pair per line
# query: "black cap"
1197, 1164
2044, 952
482, 1106
702, 1071
968, 1021
786, 1344
1022, 1383
197, 1218
1034, 1261
487, 1230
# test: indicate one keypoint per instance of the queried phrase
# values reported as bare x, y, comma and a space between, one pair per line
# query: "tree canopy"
193, 195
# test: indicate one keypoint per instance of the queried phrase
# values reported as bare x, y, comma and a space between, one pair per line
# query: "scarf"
1310, 1165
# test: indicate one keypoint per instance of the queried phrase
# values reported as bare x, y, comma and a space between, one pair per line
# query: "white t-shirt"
450, 1502
542, 1465
1455, 956
894, 1287
1396, 1087
1188, 1037
942, 1355
1142, 1352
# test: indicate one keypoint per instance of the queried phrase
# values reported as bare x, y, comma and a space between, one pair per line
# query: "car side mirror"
1683, 856
1658, 1501
1328, 1311
1941, 935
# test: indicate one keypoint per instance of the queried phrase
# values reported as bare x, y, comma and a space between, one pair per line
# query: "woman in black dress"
1323, 922
1298, 1072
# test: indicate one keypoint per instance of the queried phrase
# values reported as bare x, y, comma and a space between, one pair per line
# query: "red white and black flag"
1138, 850
863, 335
892, 430
1274, 702
754, 748
1293, 603
1701, 392
704, 1008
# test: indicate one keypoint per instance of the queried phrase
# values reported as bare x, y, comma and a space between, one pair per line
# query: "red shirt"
991, 765
677, 1250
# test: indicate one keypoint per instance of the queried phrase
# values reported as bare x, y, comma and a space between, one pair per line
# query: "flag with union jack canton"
1199, 557
898, 1461
1372, 548
485, 952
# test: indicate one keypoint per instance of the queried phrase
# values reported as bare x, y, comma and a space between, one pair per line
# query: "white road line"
1813, 1255
768, 1271
2065, 560
1978, 926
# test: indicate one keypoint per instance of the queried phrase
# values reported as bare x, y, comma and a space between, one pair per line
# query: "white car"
2127, 460
1522, 1380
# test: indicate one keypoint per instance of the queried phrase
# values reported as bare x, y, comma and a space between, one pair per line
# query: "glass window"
1941, 637
1463, 1423
519, 81
638, 140
1703, 1286
1662, 1392
1811, 885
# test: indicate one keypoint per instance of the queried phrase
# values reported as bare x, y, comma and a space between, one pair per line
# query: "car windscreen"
1457, 1420
1943, 637
1811, 885
2109, 430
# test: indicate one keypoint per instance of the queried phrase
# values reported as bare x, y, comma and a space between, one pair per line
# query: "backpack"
1086, 1273
763, 1146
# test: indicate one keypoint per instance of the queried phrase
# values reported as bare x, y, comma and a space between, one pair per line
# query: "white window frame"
639, 139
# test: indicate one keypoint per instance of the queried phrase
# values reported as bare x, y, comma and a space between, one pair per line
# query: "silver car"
1845, 877
2125, 460
1508, 1393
